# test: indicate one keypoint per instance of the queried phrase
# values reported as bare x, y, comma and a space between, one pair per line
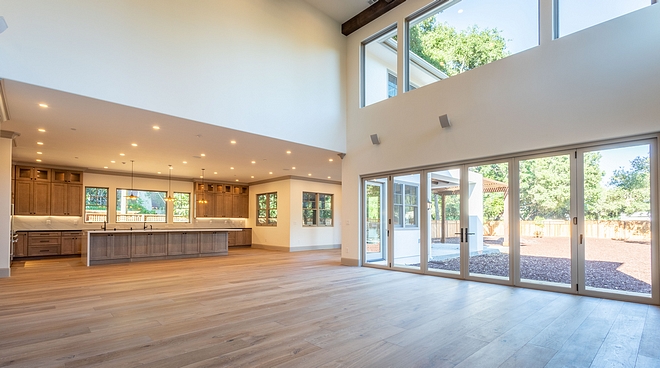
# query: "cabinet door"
191, 243
231, 238
68, 246
23, 198
175, 243
58, 192
100, 247
240, 206
23, 173
140, 246
206, 243
41, 198
121, 246
20, 247
247, 236
157, 244
229, 205
219, 205
74, 194
220, 242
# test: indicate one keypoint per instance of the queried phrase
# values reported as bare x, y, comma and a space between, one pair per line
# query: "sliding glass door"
445, 239
375, 222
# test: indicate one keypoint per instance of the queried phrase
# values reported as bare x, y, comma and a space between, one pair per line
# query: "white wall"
596, 84
5, 205
270, 67
112, 182
314, 237
272, 237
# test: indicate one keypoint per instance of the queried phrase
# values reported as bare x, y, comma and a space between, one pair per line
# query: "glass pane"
406, 239
617, 209
375, 205
181, 207
545, 226
576, 15
488, 220
309, 217
141, 206
461, 35
398, 204
380, 65
261, 200
273, 201
96, 204
444, 220
325, 218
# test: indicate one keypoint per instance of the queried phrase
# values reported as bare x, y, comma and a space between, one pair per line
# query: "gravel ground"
611, 264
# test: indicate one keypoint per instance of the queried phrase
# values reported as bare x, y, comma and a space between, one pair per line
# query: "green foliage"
453, 51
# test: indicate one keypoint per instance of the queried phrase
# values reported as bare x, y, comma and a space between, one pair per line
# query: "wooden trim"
369, 14
279, 248
315, 247
349, 262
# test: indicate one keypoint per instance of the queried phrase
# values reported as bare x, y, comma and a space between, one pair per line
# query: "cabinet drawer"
72, 234
44, 234
44, 241
43, 250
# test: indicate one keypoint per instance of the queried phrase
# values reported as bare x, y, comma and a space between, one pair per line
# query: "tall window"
181, 207
378, 56
267, 209
148, 206
457, 36
96, 204
317, 209
576, 15
406, 205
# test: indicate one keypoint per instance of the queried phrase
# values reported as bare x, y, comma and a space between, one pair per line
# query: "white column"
5, 202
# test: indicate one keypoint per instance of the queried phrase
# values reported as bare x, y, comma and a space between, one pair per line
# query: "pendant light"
203, 199
169, 197
132, 197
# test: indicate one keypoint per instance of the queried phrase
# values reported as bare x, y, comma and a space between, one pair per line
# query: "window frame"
267, 209
317, 210
107, 204
382, 34
403, 205
174, 217
117, 213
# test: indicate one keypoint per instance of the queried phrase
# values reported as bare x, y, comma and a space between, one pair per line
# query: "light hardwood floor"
258, 308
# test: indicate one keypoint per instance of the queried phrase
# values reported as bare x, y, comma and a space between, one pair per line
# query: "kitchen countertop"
160, 230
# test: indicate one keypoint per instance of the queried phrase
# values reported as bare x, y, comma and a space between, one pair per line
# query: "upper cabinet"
221, 200
48, 192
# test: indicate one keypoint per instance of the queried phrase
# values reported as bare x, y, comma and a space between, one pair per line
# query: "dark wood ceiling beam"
369, 14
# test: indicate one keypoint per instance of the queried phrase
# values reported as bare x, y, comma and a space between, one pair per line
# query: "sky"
617, 158
518, 19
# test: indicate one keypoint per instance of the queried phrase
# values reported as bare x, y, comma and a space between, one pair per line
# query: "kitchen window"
146, 206
317, 209
181, 207
267, 209
96, 204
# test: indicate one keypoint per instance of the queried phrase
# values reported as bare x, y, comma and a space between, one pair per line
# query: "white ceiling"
87, 133
340, 10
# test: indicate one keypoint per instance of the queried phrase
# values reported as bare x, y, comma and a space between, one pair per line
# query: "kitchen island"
120, 246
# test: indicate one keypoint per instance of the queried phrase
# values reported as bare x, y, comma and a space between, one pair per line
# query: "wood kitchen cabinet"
44, 192
110, 246
182, 243
213, 242
32, 198
44, 243
149, 245
224, 200
20, 247
66, 199
72, 242
243, 237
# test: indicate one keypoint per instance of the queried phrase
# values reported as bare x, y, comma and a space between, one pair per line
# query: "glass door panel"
545, 220
375, 237
405, 221
616, 231
488, 220
444, 218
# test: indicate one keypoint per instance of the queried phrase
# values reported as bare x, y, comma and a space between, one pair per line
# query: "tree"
630, 190
453, 51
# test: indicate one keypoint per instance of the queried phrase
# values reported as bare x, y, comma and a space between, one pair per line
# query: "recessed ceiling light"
215, 173
252, 176
232, 142
40, 143
105, 167
159, 173
231, 168
271, 173
134, 144
171, 168
236, 179
288, 152
201, 176
122, 154
309, 174
113, 161
156, 127
40, 153
38, 160
185, 162
330, 160
203, 155
42, 130
329, 177
43, 105
293, 168
254, 162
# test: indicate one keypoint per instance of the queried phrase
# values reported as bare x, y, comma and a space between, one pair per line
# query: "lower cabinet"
20, 247
71, 242
182, 243
149, 245
213, 242
243, 237
110, 246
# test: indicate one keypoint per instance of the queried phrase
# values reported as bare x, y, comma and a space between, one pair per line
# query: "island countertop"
172, 230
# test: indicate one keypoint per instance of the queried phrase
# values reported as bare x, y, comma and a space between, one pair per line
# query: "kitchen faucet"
151, 227
104, 224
